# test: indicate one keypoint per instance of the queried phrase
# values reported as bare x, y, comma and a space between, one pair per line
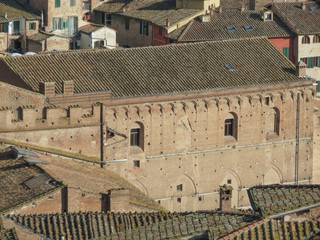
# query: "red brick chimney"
118, 200
47, 89
301, 70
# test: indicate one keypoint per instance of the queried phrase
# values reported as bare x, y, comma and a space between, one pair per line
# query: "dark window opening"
127, 24
134, 137
160, 30
228, 127
200, 199
136, 163
144, 28
108, 19
267, 100
179, 200
179, 187
229, 181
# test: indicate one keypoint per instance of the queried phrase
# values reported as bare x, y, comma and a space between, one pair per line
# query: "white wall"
22, 29
105, 34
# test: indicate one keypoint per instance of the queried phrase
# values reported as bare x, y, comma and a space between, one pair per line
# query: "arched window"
137, 135
231, 125
316, 39
305, 40
273, 121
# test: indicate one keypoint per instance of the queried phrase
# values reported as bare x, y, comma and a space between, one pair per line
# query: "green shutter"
57, 3
6, 27
65, 25
286, 52
54, 24
311, 62
72, 3
30, 26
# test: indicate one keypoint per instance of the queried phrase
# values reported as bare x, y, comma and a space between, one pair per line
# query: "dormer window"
268, 16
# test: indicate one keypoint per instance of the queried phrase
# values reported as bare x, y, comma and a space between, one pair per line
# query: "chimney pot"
168, 23
243, 8
303, 6
220, 9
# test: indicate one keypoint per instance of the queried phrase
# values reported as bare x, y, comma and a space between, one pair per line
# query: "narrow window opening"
179, 200
136, 163
179, 187
135, 137
228, 127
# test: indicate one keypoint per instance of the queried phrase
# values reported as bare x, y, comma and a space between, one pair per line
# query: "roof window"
230, 28
313, 8
248, 28
230, 68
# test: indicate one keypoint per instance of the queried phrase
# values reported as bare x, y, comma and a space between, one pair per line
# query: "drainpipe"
101, 136
296, 170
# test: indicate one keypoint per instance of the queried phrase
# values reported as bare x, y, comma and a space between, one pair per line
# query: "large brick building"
178, 120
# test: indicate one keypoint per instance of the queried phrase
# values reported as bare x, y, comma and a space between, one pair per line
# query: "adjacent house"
233, 24
43, 41
146, 23
22, 22
97, 36
303, 19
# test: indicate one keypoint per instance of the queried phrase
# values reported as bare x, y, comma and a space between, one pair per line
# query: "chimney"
220, 10
301, 69
68, 88
118, 200
168, 23
211, 12
41, 23
225, 197
47, 89
243, 7
303, 6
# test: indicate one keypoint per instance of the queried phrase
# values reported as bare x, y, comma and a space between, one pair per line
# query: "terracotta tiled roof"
15, 185
7, 234
134, 226
15, 10
155, 11
276, 230
300, 21
216, 29
90, 28
40, 36
160, 70
276, 199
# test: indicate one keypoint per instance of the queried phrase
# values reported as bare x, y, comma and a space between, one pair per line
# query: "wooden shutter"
54, 24
61, 23
311, 62
6, 27
57, 4
286, 52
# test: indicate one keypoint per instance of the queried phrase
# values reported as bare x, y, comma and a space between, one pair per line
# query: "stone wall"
183, 142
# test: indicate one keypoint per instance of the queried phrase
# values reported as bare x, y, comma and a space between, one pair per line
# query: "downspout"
101, 136
296, 174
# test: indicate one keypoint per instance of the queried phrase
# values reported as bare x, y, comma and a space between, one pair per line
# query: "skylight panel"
230, 68
248, 28
312, 8
230, 28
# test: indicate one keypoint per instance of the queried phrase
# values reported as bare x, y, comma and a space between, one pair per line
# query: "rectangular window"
267, 100
127, 24
108, 19
16, 27
57, 3
160, 30
144, 28
72, 3
134, 137
32, 26
179, 187
54, 24
2, 27
286, 52
99, 44
228, 127
136, 163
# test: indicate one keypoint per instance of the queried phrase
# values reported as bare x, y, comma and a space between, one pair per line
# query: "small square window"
32, 26
179, 187
229, 181
200, 199
136, 163
179, 200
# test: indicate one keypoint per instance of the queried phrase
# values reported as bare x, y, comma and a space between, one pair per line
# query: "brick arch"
187, 179
273, 173
140, 186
